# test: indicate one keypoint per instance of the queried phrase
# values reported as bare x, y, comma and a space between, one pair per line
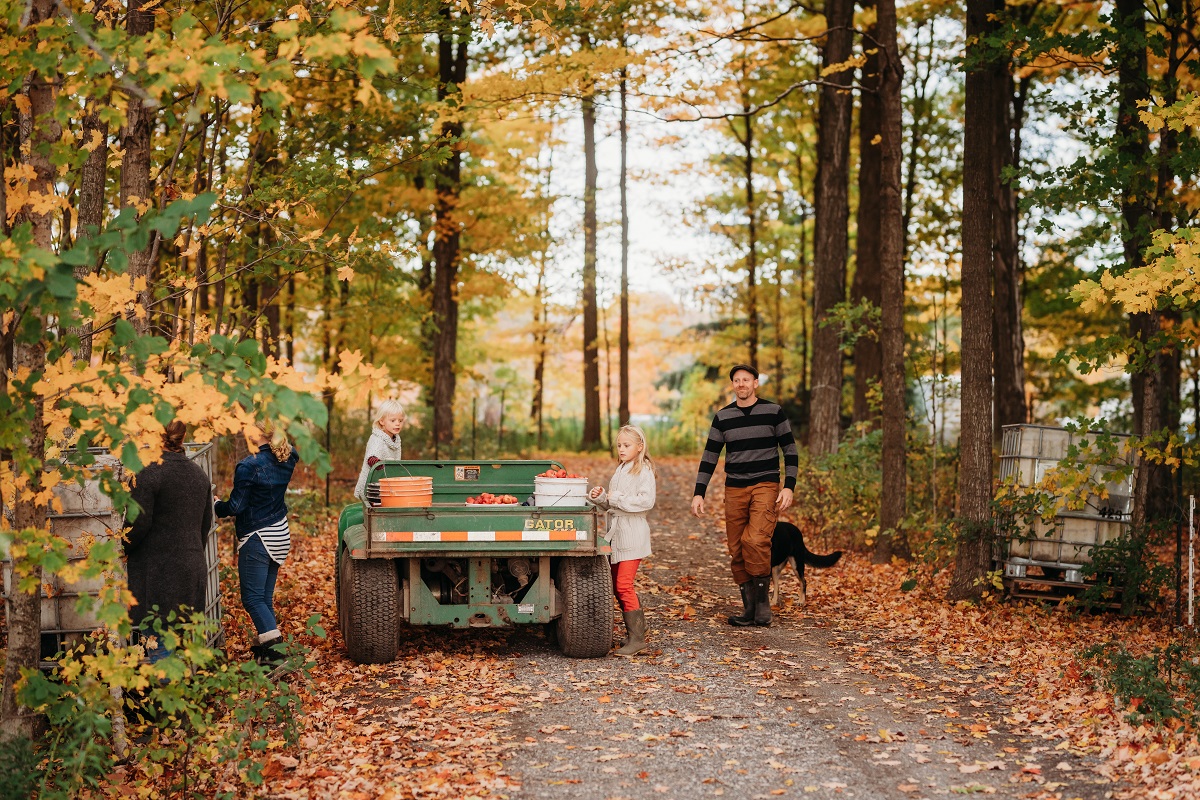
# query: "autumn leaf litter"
865, 691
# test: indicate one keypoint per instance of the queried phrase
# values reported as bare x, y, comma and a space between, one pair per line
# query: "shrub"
1162, 687
1127, 568
183, 725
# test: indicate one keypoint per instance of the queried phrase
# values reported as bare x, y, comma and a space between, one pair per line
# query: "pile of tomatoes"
558, 473
489, 499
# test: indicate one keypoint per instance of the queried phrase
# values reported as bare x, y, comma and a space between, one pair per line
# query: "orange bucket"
406, 499
406, 492
406, 483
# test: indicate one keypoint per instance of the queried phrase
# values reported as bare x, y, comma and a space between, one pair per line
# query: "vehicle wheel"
585, 626
340, 567
369, 609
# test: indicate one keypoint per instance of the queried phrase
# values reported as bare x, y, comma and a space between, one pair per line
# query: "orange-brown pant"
749, 523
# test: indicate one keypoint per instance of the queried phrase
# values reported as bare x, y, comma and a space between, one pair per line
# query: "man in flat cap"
752, 431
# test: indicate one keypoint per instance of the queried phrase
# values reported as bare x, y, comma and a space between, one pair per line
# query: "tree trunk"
623, 333
270, 297
777, 324
973, 559
452, 71
539, 345
1163, 492
751, 235
10, 150
24, 617
1009, 342
865, 287
802, 387
90, 210
892, 540
289, 333
136, 188
830, 238
919, 109
218, 289
591, 348
327, 357
541, 307
1137, 219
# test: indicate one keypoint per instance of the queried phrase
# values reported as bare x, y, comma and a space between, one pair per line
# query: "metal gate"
87, 518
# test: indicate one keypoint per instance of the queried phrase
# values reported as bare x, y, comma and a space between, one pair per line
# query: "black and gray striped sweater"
752, 438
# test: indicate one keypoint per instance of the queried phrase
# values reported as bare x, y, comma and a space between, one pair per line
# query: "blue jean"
159, 652
257, 574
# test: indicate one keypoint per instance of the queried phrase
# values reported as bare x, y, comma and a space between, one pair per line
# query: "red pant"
622, 574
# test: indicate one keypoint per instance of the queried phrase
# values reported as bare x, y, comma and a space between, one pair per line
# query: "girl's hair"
281, 448
643, 458
173, 436
389, 408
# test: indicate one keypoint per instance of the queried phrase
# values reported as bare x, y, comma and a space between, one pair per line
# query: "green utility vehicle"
472, 566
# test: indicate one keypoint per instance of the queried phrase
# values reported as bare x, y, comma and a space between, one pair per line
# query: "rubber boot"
635, 625
269, 653
746, 618
761, 587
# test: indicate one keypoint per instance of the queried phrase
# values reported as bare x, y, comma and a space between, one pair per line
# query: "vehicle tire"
342, 605
585, 625
369, 609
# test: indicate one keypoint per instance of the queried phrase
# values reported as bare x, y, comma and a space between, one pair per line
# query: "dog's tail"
820, 562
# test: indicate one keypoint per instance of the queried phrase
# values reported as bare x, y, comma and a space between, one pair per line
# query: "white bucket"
560, 491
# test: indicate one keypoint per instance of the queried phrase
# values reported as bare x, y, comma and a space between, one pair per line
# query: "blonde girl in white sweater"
384, 442
629, 498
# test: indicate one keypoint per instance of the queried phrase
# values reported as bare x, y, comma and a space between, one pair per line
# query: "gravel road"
788, 711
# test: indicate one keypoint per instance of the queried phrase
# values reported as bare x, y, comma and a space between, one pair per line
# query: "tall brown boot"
635, 625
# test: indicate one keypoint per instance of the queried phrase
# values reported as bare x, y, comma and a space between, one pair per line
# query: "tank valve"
519, 567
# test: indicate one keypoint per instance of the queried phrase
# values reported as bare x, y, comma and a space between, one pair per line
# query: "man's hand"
783, 502
698, 506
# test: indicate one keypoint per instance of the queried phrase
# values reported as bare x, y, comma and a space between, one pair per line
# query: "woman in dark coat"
165, 544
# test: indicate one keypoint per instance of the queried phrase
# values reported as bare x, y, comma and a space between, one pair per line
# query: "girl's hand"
596, 492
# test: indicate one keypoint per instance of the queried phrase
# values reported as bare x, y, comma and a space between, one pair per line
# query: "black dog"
787, 547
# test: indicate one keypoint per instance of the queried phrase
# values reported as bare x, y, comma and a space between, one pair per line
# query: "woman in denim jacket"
263, 537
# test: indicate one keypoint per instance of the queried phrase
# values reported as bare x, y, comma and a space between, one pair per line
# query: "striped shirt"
752, 438
276, 539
